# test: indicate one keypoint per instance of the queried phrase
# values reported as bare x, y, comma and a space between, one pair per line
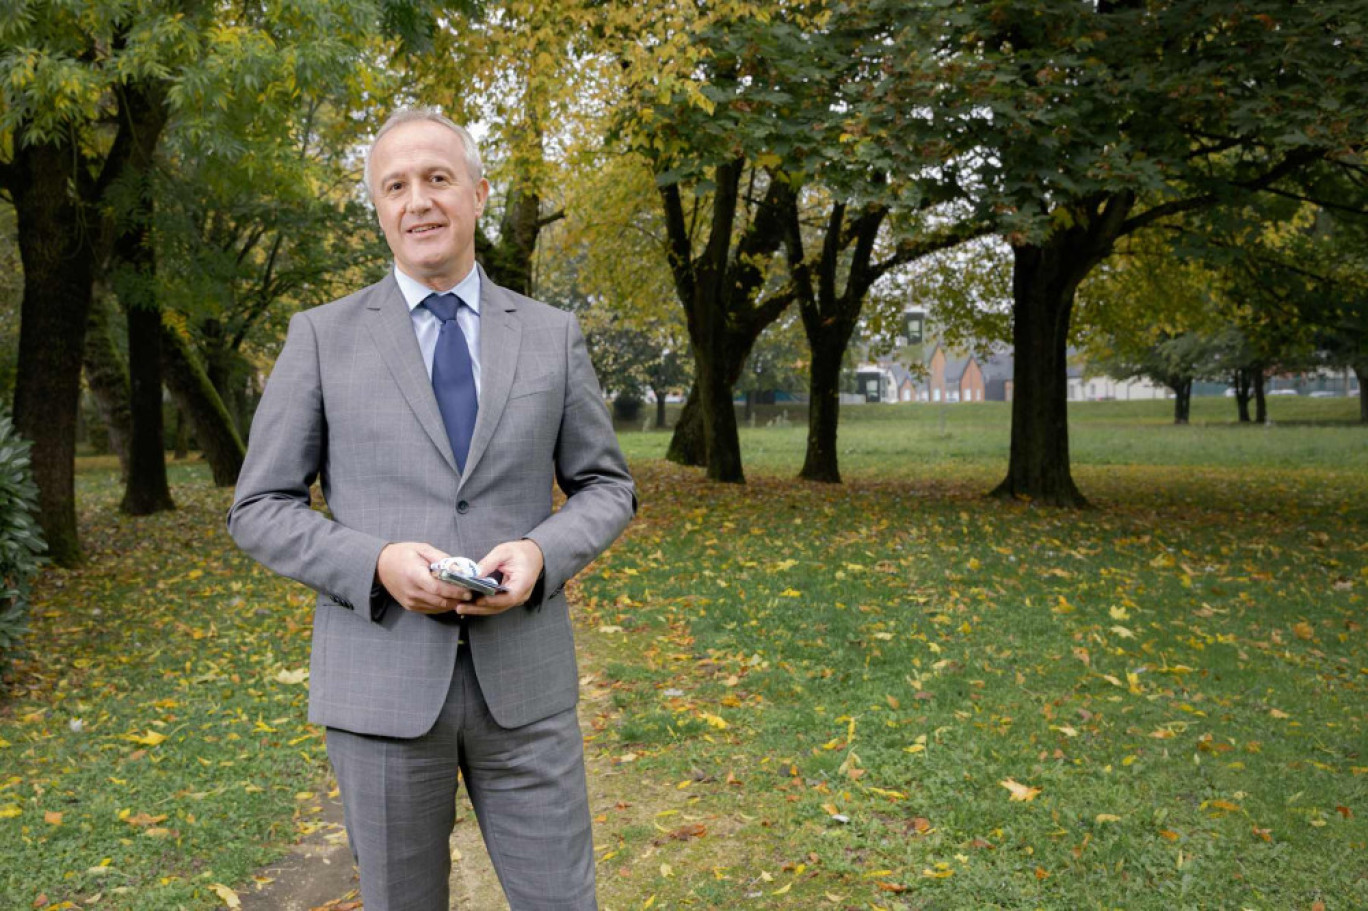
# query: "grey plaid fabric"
349, 403
527, 786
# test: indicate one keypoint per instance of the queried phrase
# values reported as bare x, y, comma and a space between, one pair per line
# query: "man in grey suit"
436, 425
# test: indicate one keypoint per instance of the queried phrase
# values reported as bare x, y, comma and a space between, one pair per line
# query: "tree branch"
1297, 158
831, 254
909, 250
678, 250
1323, 203
550, 219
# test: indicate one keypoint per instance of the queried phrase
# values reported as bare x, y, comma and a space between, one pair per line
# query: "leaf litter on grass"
152, 752
801, 696
888, 657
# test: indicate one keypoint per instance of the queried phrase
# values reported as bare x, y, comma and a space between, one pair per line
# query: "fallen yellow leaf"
1020, 791
227, 895
150, 739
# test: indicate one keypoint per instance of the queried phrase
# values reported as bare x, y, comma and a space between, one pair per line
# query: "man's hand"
404, 571
521, 565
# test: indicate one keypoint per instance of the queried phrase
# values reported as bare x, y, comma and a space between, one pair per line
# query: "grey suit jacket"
349, 402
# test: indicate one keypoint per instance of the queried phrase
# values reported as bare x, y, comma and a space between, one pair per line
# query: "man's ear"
481, 195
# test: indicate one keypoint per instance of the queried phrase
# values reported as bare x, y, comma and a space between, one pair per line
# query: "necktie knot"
443, 306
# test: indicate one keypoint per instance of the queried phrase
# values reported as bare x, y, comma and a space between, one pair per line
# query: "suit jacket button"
463, 507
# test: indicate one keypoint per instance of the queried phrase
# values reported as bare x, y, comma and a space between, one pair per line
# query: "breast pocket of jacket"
531, 416
541, 382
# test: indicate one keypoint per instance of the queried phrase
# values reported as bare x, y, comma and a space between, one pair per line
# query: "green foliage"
21, 542
1040, 107
11, 299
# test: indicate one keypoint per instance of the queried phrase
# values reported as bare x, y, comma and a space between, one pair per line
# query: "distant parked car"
1282, 392
1324, 394
1230, 392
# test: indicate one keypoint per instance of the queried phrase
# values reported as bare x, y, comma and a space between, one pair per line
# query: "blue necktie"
453, 376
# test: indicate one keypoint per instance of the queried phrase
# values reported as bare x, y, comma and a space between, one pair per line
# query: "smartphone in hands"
464, 572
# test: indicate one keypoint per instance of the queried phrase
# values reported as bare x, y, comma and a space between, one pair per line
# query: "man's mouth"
424, 229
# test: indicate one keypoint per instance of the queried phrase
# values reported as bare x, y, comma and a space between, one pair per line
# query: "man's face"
427, 202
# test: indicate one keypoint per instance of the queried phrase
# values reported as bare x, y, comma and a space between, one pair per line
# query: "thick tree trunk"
660, 408
1043, 283
195, 395
1242, 390
1182, 400
518, 231
182, 435
107, 377
58, 259
828, 345
1260, 400
146, 490
720, 434
687, 446
718, 290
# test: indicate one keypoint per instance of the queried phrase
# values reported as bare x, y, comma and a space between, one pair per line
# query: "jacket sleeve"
271, 517
590, 470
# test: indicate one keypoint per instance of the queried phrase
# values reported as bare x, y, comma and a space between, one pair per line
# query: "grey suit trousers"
527, 785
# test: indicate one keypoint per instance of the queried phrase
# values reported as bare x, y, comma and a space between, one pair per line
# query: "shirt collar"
415, 292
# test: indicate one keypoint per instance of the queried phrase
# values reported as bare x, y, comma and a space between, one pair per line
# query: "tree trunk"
107, 378
224, 366
660, 408
518, 231
828, 345
195, 395
1044, 279
58, 258
720, 434
687, 446
1260, 400
1242, 384
1361, 371
146, 490
718, 290
182, 435
1182, 400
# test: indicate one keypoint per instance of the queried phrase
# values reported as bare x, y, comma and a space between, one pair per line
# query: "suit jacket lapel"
500, 338
391, 326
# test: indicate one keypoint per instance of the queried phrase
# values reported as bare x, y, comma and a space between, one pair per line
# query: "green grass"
1188, 657
1181, 672
902, 441
168, 632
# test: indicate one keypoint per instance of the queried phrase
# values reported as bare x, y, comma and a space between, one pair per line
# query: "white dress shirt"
427, 327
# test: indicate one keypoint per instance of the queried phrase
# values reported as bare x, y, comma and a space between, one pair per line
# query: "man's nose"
418, 197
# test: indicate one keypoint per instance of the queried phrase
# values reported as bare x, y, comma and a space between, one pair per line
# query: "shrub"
21, 542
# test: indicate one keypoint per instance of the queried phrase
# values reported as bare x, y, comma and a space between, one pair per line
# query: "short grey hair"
411, 115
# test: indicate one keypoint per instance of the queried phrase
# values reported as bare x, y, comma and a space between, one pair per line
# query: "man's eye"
393, 187
439, 178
